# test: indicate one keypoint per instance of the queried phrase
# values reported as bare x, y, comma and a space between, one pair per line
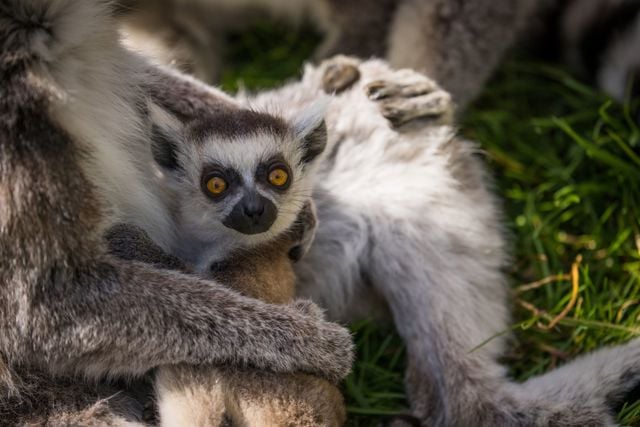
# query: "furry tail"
45, 31
585, 392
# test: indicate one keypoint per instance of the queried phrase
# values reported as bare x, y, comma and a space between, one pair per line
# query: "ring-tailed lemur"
407, 219
458, 43
74, 157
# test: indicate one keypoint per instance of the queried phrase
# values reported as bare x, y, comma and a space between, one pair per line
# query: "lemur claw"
407, 96
340, 73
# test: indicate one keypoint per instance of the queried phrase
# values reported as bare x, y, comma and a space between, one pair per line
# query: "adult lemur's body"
407, 218
74, 149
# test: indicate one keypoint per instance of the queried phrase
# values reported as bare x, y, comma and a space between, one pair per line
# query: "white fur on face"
202, 236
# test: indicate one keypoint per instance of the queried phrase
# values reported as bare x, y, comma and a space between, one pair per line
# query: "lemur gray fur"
456, 42
407, 221
74, 153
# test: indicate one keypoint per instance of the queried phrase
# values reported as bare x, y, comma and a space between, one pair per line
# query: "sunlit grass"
566, 161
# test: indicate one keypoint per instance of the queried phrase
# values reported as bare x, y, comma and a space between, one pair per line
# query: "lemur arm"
241, 270
131, 243
184, 96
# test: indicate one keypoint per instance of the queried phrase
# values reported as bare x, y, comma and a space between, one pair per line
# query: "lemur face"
239, 174
251, 199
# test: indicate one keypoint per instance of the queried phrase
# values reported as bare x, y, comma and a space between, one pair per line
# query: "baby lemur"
238, 180
74, 156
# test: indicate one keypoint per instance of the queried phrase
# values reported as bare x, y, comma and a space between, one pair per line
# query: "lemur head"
238, 175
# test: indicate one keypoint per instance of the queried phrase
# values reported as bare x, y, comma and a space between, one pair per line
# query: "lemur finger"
340, 73
410, 85
435, 106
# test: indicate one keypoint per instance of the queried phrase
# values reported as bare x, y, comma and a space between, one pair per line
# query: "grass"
566, 160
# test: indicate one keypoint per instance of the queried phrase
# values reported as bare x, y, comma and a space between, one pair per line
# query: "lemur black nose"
253, 207
253, 214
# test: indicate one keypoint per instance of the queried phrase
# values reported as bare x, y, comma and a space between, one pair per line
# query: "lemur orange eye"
216, 185
278, 177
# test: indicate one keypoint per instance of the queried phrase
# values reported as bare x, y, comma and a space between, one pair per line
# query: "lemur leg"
443, 308
260, 399
213, 397
340, 73
402, 109
405, 97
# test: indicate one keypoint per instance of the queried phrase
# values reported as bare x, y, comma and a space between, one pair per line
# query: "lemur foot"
340, 73
408, 96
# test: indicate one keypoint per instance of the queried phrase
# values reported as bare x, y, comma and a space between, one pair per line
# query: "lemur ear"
311, 130
166, 137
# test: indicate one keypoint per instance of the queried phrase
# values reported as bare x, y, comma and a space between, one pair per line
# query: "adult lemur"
74, 154
457, 42
406, 220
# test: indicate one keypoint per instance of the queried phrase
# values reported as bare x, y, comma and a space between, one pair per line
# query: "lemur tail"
44, 31
585, 392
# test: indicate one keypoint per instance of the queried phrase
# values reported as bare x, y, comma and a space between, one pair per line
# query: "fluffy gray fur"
458, 43
74, 138
407, 222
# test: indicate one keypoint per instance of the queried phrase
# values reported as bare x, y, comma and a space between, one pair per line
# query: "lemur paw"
340, 73
303, 231
329, 352
408, 96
